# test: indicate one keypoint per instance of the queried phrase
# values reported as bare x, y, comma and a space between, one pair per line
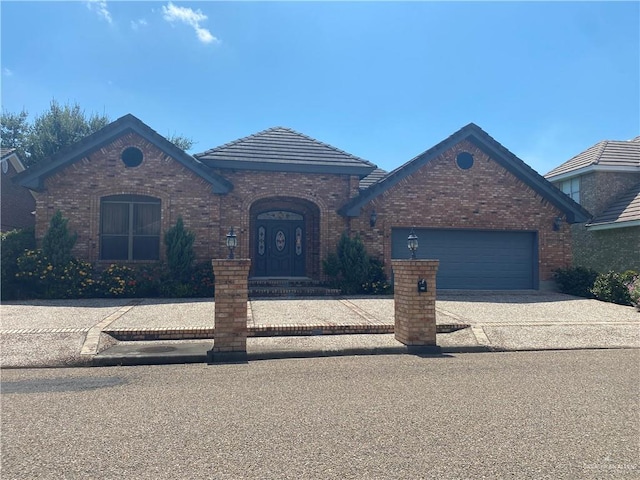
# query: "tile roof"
374, 177
625, 208
284, 149
607, 153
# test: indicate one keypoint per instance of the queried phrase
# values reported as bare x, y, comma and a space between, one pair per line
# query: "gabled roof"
284, 150
605, 155
5, 152
477, 136
34, 177
623, 212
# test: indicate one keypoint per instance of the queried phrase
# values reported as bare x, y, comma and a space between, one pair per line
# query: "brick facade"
77, 190
486, 196
604, 250
437, 195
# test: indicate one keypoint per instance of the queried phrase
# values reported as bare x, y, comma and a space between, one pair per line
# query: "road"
562, 414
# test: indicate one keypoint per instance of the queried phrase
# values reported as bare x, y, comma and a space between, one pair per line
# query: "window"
571, 188
129, 228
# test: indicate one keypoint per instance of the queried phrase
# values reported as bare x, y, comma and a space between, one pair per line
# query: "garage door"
475, 260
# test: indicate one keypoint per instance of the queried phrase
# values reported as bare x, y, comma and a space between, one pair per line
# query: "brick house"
605, 180
491, 220
17, 202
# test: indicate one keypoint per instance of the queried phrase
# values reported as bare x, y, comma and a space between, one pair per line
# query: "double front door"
279, 244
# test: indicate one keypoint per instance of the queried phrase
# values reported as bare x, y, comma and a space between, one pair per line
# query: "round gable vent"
131, 157
464, 160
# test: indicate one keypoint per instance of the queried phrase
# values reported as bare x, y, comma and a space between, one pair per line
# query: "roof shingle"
284, 149
625, 208
607, 153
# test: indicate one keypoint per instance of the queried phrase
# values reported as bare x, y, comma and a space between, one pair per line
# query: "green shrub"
57, 243
38, 277
180, 256
576, 281
609, 287
118, 281
352, 270
634, 292
13, 244
202, 280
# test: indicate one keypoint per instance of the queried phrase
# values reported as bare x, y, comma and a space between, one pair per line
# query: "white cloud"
136, 24
100, 6
173, 13
6, 72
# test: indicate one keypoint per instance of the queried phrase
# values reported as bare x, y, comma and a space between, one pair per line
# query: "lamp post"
232, 243
412, 243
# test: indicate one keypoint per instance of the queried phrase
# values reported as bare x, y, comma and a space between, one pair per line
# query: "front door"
279, 244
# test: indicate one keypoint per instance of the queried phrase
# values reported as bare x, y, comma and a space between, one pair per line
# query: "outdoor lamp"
412, 243
557, 224
232, 242
373, 218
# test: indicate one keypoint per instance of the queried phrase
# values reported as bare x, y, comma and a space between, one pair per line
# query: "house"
17, 203
605, 180
493, 222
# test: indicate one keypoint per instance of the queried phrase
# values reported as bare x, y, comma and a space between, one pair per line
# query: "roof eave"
361, 171
592, 168
613, 225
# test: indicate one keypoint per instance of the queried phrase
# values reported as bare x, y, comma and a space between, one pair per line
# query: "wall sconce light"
373, 218
232, 243
412, 243
557, 224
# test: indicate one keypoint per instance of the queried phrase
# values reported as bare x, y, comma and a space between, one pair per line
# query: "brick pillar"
230, 329
415, 312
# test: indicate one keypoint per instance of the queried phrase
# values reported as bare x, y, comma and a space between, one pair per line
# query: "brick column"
230, 329
415, 312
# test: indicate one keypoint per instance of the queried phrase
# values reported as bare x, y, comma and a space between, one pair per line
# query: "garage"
475, 259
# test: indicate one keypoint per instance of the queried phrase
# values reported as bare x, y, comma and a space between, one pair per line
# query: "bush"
38, 277
180, 256
58, 242
118, 281
634, 292
352, 270
576, 281
609, 287
13, 244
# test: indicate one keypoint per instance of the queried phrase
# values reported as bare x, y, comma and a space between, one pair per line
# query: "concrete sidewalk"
121, 331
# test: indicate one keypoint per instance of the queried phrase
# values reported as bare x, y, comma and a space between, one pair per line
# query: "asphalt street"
554, 414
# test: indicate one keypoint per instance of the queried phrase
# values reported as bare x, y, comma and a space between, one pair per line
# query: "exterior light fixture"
373, 218
412, 243
557, 224
232, 243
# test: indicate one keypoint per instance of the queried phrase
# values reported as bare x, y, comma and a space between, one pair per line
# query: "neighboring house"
493, 222
605, 180
17, 203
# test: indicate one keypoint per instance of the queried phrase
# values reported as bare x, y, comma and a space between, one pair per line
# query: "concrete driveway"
71, 332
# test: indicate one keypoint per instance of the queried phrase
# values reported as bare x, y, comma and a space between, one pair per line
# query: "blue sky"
381, 80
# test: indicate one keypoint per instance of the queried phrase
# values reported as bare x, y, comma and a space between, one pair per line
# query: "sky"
384, 81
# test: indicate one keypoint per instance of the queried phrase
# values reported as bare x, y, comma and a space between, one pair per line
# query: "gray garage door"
475, 260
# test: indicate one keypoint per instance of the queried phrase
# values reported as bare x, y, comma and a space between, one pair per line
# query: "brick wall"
487, 196
605, 250
317, 195
77, 189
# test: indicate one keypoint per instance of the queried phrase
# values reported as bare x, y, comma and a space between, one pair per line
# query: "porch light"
557, 223
232, 242
412, 243
373, 218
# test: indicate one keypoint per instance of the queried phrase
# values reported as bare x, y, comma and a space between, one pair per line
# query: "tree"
57, 243
180, 141
59, 127
14, 130
180, 256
